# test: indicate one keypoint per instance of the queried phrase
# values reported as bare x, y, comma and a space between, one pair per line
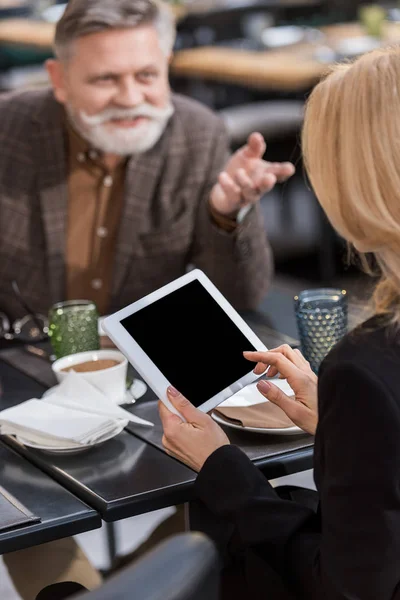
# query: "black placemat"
257, 446
12, 513
29, 364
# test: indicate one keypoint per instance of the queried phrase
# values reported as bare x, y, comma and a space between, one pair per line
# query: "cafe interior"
113, 486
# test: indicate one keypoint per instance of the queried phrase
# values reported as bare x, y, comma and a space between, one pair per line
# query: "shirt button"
102, 232
96, 284
108, 181
80, 157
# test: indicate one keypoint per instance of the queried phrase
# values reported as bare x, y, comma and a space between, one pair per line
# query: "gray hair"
83, 17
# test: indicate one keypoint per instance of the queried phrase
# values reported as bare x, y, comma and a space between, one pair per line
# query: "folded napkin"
77, 393
75, 414
249, 408
55, 426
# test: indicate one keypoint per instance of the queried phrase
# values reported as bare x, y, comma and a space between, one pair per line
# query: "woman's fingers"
276, 396
299, 413
293, 355
275, 360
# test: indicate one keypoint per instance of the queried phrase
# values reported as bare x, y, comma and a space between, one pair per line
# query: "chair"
184, 567
294, 222
273, 119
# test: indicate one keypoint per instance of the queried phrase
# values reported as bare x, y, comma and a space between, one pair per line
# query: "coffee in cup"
92, 365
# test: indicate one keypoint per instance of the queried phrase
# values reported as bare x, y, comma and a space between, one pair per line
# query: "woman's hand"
302, 409
194, 441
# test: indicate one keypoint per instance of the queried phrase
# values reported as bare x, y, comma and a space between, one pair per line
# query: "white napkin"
55, 426
250, 395
76, 414
77, 393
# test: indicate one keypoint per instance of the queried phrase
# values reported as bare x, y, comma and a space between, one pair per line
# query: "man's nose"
129, 93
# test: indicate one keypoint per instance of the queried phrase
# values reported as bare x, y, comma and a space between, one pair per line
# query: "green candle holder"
73, 327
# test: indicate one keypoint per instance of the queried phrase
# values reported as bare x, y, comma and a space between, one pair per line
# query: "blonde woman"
350, 547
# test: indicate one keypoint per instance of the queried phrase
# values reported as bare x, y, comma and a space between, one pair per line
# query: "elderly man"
111, 186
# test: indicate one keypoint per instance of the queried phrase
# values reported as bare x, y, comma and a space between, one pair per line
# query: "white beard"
121, 141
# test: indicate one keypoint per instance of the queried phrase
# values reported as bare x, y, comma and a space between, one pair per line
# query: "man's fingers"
228, 185
255, 147
186, 408
249, 191
267, 182
282, 171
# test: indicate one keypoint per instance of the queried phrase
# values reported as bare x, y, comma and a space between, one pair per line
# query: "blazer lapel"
53, 190
142, 177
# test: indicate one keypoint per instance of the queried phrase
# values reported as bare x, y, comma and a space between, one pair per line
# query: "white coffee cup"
111, 382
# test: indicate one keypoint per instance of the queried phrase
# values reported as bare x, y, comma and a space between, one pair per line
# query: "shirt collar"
80, 148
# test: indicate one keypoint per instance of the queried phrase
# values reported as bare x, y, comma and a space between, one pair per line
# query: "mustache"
143, 110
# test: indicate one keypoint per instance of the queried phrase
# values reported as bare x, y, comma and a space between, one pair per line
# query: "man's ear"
56, 72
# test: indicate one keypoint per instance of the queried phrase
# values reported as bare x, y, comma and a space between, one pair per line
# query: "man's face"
115, 89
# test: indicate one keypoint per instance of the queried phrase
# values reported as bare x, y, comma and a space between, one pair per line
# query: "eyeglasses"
25, 329
32, 327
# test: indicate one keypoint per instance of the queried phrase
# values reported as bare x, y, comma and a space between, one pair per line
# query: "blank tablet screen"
192, 341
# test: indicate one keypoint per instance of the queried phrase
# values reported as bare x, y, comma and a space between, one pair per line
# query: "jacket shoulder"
196, 118
17, 109
372, 348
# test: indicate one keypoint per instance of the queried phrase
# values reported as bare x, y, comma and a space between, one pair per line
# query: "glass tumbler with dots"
321, 316
73, 327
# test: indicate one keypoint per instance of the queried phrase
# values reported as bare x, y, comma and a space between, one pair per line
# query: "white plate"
274, 431
136, 391
67, 450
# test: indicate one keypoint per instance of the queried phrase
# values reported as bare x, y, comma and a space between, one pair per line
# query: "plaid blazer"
165, 227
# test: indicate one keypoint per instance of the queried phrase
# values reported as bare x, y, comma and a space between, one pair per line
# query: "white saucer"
68, 450
270, 430
136, 391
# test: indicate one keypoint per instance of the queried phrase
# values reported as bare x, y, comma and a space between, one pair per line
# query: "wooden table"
291, 69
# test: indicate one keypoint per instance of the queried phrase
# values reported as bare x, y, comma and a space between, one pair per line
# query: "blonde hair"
351, 148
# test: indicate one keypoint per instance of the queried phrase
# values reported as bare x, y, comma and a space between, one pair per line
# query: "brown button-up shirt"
95, 203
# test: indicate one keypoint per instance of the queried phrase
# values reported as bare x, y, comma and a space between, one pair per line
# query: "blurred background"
254, 61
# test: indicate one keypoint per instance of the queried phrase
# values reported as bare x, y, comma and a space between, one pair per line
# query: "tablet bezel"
147, 368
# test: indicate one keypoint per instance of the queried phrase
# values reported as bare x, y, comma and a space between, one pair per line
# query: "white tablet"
186, 334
